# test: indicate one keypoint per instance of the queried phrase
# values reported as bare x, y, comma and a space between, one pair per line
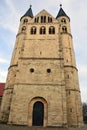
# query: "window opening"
63, 21
51, 30
23, 28
64, 29
31, 70
42, 30
25, 21
43, 19
36, 20
33, 30
48, 70
49, 20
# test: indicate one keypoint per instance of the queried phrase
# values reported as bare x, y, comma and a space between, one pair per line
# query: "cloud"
3, 75
10, 16
10, 26
4, 61
12, 8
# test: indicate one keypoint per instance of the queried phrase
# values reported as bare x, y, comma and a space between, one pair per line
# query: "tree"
85, 112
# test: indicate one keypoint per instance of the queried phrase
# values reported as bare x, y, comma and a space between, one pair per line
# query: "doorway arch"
38, 109
38, 114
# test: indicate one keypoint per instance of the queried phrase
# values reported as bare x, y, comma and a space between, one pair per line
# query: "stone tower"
42, 87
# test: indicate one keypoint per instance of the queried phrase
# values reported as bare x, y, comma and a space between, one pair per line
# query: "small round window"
48, 70
31, 70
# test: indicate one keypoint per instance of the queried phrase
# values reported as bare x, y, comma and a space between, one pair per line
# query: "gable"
44, 15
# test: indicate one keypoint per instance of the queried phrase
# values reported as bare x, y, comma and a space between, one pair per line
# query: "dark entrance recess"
38, 114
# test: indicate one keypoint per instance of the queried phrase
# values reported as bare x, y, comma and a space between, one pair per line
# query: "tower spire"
29, 13
60, 5
61, 13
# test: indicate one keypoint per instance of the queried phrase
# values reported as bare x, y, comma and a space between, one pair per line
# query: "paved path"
14, 127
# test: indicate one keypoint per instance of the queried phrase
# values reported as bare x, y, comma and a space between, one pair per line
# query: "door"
38, 114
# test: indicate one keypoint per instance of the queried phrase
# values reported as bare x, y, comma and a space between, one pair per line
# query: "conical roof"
61, 13
29, 13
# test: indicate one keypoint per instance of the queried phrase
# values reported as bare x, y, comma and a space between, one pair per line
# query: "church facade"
42, 87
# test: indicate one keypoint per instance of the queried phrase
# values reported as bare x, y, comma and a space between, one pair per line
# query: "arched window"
64, 29
43, 30
51, 30
49, 20
23, 28
33, 30
63, 21
25, 21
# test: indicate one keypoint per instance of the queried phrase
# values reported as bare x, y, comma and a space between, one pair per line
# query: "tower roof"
61, 13
29, 13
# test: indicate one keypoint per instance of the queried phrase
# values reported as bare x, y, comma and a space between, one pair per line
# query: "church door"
38, 114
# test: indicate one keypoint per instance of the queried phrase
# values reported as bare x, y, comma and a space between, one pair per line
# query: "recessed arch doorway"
38, 112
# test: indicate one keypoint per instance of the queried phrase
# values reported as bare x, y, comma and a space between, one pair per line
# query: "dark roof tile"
61, 13
29, 13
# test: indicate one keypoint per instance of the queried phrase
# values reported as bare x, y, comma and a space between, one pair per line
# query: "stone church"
42, 87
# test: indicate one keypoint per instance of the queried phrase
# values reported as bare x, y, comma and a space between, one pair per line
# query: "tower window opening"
49, 20
68, 76
25, 21
42, 30
51, 30
15, 75
31, 70
67, 60
43, 19
23, 28
69, 92
36, 20
63, 21
40, 52
70, 109
48, 70
33, 30
64, 29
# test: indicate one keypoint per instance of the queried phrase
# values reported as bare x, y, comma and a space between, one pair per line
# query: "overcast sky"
10, 14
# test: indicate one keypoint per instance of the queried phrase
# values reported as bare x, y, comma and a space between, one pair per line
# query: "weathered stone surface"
43, 69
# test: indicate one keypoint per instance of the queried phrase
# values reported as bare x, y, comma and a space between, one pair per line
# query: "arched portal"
38, 114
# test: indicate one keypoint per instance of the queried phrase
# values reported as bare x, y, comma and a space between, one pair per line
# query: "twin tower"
42, 87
